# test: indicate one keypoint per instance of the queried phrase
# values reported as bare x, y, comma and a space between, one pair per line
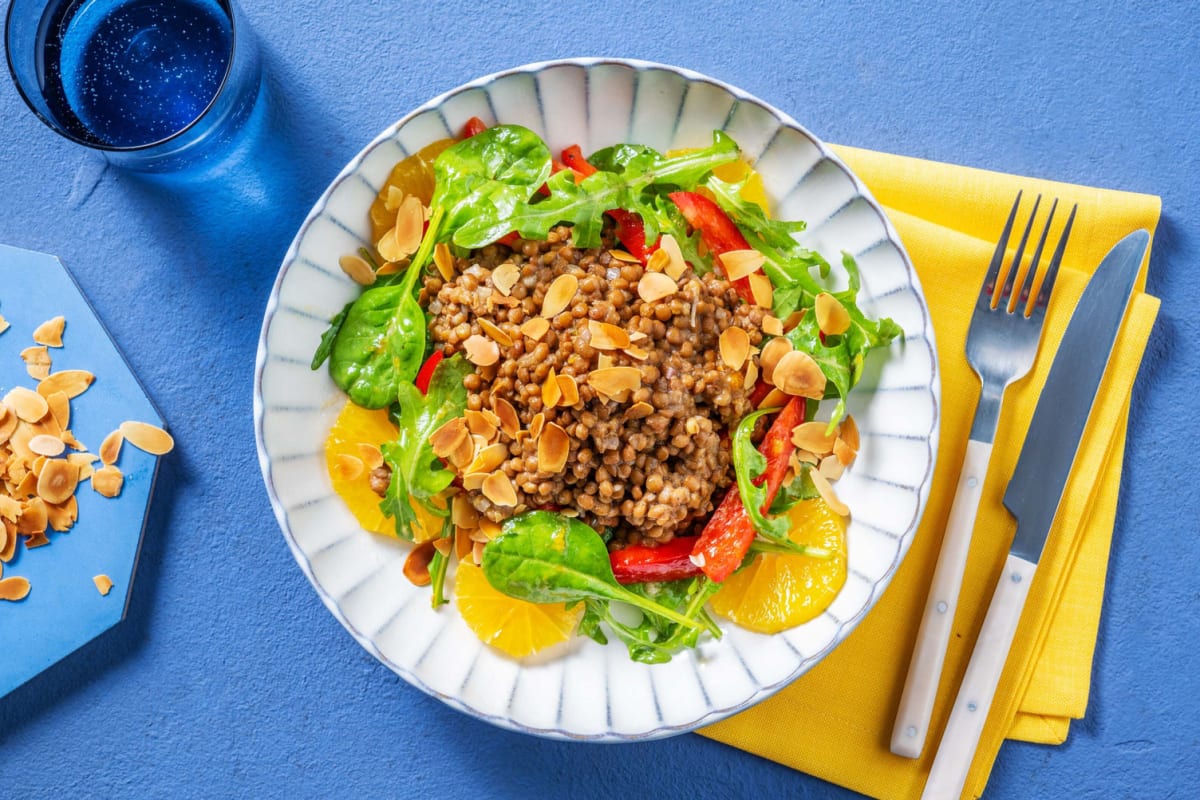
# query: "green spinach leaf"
325, 348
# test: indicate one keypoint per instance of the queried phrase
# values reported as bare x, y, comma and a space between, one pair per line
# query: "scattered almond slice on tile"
37, 362
14, 589
50, 332
108, 481
3, 324
26, 404
103, 583
72, 382
149, 438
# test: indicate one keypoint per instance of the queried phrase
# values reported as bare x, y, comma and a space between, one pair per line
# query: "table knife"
1033, 497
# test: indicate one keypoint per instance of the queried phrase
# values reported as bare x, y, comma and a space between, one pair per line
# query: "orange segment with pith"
516, 627
412, 176
776, 591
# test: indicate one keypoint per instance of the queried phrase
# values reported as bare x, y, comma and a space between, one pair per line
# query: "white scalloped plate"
586, 691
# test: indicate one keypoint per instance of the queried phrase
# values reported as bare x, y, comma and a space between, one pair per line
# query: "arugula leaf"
325, 348
654, 640
544, 557
417, 474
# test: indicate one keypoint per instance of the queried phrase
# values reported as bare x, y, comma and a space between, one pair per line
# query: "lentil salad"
604, 374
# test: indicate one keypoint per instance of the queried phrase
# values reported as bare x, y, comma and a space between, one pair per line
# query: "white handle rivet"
971, 706
972, 482
941, 607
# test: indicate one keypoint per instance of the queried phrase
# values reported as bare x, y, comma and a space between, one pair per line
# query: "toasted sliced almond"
793, 319
505, 276
72, 382
389, 268
676, 266
658, 261
535, 328
569, 389
831, 467
639, 410
462, 541
387, 248
488, 458
734, 344
33, 516
60, 409
416, 565
491, 329
84, 461
47, 445
62, 516
798, 374
551, 391
477, 552
446, 439
8, 542
637, 352
832, 317
772, 325
410, 225
621, 255
615, 383
654, 286
26, 404
443, 545
37, 362
347, 467
10, 509
443, 260
499, 489
3, 324
108, 480
805, 457
149, 438
103, 583
510, 423
604, 361
849, 432
553, 448
50, 332
604, 336
36, 540
489, 528
827, 494
14, 589
559, 295
535, 425
473, 481
481, 351
761, 289
371, 456
740, 263
770, 356
357, 268
478, 535
70, 441
844, 452
813, 436
751, 374
462, 513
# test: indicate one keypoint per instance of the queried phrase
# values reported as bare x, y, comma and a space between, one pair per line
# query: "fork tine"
989, 280
1020, 295
1002, 293
1043, 296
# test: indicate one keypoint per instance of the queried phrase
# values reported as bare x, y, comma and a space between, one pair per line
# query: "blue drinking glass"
154, 85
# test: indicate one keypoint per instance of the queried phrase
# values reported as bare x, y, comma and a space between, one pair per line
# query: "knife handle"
929, 653
960, 740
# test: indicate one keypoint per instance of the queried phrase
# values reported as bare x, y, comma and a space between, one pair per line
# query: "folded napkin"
835, 722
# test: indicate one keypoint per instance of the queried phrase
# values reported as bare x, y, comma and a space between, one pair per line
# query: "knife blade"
1033, 497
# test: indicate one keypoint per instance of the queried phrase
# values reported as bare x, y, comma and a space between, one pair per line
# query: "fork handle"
925, 669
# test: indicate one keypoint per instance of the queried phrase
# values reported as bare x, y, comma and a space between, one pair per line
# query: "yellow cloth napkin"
835, 722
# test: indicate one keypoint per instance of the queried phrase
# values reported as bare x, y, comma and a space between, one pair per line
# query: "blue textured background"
229, 679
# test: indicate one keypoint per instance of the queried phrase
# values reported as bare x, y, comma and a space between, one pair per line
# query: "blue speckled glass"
156, 85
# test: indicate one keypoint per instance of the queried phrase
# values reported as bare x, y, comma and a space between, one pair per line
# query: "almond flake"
569, 389
621, 255
37, 362
637, 352
535, 425
639, 410
489, 528
551, 392
3, 324
473, 481
14, 589
387, 248
347, 467
849, 432
389, 268
477, 553
499, 489
148, 438
510, 423
443, 260
793, 319
770, 356
734, 344
8, 423
371, 456
604, 361
607, 337
50, 332
103, 583
761, 288
416, 565
751, 374
10, 509
357, 268
832, 317
559, 295
658, 261
26, 404
488, 459
442, 544
844, 452
501, 338
72, 382
410, 226
62, 516
110, 448
827, 494
535, 328
812, 436
740, 263
33, 516
805, 457
616, 383
505, 276
676, 266
831, 467
446, 439
60, 408
462, 513
481, 351
771, 325
36, 540
47, 445
8, 542
799, 375
553, 448
108, 481
480, 424
462, 542
655, 286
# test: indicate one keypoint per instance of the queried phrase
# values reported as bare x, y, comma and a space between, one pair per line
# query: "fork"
1001, 345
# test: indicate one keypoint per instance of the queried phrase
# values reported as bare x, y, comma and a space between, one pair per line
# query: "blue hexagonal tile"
64, 610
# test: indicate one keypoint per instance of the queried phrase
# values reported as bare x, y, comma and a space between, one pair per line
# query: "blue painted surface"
64, 610
229, 679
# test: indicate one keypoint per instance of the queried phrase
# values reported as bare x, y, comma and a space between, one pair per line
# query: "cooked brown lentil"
646, 478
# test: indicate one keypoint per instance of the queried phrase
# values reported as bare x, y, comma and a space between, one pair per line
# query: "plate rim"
844, 627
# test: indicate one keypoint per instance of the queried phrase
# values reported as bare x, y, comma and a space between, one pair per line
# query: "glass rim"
227, 5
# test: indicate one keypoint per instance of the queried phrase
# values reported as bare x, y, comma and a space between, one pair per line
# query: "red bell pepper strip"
632, 233
472, 126
717, 230
572, 158
425, 374
726, 538
665, 562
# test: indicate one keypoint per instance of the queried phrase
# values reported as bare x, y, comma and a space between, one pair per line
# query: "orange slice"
777, 592
413, 175
513, 626
354, 426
